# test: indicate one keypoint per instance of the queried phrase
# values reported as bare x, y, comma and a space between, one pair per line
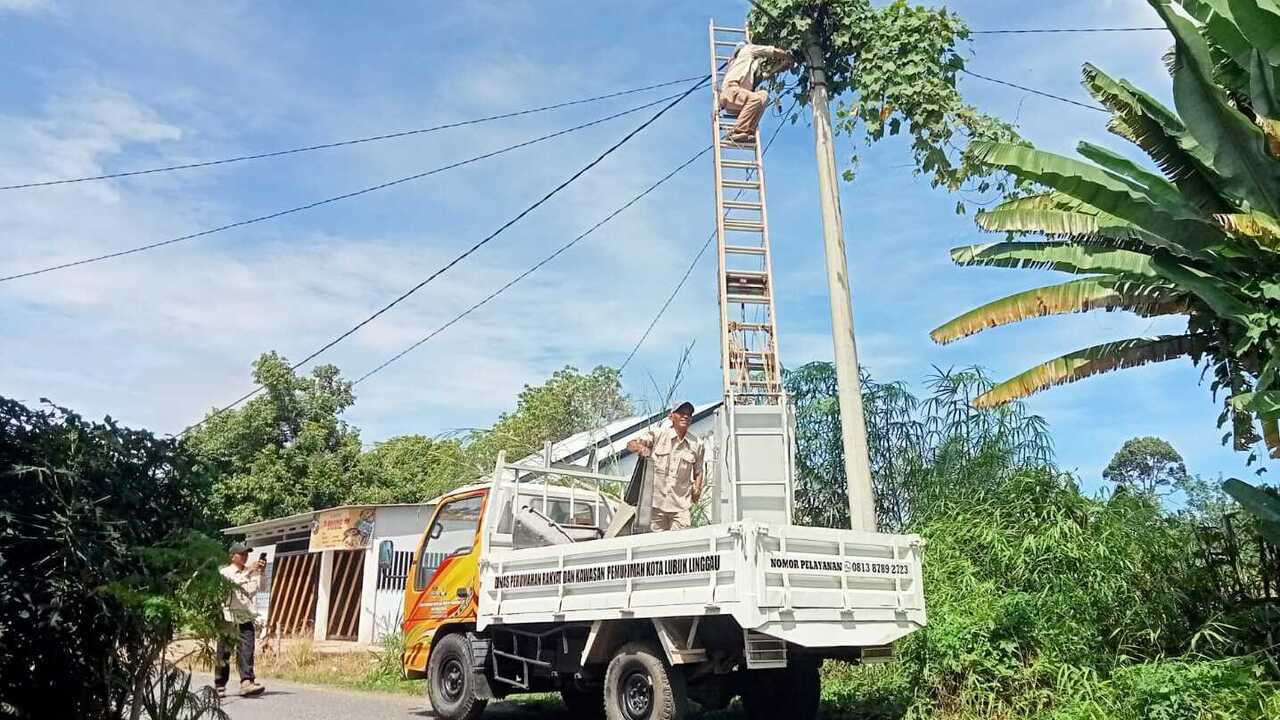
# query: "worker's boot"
249, 688
742, 138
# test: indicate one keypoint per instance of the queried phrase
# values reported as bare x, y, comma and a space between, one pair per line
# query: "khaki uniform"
677, 464
239, 607
238, 611
738, 94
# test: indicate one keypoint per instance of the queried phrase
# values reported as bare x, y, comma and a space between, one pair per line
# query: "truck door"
444, 576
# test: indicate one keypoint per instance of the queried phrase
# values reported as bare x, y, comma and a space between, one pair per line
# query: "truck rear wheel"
450, 684
640, 685
792, 692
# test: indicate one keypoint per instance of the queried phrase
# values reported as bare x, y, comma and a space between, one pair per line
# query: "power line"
1068, 30
536, 204
344, 143
689, 271
336, 198
533, 269
1033, 91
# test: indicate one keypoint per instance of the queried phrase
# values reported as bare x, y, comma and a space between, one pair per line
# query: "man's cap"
684, 408
239, 547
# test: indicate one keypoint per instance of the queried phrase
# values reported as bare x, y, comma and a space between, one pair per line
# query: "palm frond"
1060, 255
1088, 362
1075, 296
1096, 187
1232, 145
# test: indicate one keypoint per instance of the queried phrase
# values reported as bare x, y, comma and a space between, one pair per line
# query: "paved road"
291, 701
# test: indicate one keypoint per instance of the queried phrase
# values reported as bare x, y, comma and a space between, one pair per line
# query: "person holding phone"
238, 611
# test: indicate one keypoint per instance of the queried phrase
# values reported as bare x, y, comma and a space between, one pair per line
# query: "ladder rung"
744, 184
739, 205
744, 250
740, 31
750, 327
723, 59
727, 43
739, 164
748, 299
725, 143
743, 226
746, 275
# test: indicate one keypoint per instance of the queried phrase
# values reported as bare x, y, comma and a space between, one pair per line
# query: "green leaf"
1060, 255
1258, 503
1234, 146
1099, 189
1074, 296
1090, 361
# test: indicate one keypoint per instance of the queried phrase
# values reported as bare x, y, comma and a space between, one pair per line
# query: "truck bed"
815, 587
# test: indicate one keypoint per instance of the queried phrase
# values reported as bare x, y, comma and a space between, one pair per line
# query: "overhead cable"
532, 269
449, 265
344, 143
326, 201
1033, 91
1028, 31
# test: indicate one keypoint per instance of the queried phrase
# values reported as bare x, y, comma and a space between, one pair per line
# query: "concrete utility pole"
862, 510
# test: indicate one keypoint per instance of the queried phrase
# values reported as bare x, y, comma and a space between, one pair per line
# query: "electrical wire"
469, 251
1028, 31
689, 271
1033, 91
336, 198
345, 143
533, 269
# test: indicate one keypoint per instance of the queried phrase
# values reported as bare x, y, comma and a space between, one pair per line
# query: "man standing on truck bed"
677, 469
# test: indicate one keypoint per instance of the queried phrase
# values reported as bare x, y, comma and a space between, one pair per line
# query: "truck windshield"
451, 533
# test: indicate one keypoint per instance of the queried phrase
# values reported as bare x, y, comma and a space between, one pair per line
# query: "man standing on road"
238, 611
677, 469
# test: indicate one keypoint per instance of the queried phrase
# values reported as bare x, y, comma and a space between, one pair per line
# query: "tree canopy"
1147, 465
101, 562
890, 68
287, 450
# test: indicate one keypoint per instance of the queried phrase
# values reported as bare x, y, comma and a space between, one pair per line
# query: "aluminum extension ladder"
748, 336
754, 434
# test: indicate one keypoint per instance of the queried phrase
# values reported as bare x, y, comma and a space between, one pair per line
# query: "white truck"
545, 585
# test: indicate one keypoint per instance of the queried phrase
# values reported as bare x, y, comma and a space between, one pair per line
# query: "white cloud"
27, 6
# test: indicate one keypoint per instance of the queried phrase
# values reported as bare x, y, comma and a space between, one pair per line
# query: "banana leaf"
1258, 503
1090, 361
1083, 295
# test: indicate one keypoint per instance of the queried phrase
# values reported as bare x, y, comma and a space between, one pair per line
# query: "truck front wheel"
792, 692
640, 685
450, 684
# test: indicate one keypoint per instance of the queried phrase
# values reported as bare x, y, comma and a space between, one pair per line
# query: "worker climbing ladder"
748, 338
754, 433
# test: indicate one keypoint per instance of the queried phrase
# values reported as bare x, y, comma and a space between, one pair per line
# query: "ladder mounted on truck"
754, 433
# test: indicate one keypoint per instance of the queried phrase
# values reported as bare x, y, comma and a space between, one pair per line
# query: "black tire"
640, 685
582, 703
450, 684
793, 692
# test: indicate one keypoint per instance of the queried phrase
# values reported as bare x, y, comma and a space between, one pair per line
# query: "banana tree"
1198, 235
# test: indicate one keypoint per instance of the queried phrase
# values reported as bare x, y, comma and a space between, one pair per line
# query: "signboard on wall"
342, 529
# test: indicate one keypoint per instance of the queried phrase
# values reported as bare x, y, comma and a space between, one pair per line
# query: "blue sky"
158, 338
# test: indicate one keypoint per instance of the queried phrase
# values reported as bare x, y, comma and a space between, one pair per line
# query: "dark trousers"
222, 668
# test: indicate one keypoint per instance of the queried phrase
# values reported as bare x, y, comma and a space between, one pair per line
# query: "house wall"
383, 598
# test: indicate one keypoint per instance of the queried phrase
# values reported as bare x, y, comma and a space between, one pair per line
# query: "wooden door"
345, 594
294, 581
